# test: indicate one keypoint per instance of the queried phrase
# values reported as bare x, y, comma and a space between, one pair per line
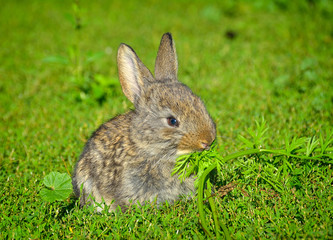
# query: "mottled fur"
131, 157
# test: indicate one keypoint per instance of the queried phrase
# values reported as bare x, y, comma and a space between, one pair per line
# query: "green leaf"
294, 144
59, 187
312, 144
257, 135
324, 143
184, 166
247, 143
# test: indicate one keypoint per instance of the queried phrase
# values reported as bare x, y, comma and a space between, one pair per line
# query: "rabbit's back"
100, 167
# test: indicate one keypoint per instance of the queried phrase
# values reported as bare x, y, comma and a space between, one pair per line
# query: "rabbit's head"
169, 118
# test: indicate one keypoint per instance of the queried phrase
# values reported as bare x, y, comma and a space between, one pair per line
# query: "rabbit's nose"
205, 146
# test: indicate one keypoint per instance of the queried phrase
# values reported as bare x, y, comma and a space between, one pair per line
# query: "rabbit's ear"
133, 74
166, 65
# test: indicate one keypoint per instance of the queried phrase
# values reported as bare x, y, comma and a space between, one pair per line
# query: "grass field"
246, 60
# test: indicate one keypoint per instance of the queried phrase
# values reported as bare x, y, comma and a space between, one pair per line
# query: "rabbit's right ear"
166, 65
133, 74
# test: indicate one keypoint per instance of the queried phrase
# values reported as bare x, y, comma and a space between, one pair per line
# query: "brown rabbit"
131, 157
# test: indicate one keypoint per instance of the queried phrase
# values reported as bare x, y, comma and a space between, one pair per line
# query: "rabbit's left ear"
166, 65
133, 74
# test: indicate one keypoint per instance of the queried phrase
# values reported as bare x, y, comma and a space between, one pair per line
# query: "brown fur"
131, 157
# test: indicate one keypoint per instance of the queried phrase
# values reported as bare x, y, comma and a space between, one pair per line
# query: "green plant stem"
279, 152
215, 216
213, 209
202, 214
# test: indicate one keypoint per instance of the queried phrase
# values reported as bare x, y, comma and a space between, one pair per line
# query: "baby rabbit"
131, 157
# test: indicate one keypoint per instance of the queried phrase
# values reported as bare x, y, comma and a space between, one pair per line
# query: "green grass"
278, 66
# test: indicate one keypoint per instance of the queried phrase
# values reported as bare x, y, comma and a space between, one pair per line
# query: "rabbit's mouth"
195, 142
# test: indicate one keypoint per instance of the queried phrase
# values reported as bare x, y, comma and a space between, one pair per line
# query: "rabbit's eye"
173, 122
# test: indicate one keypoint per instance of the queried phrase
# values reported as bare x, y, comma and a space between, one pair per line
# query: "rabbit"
130, 158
